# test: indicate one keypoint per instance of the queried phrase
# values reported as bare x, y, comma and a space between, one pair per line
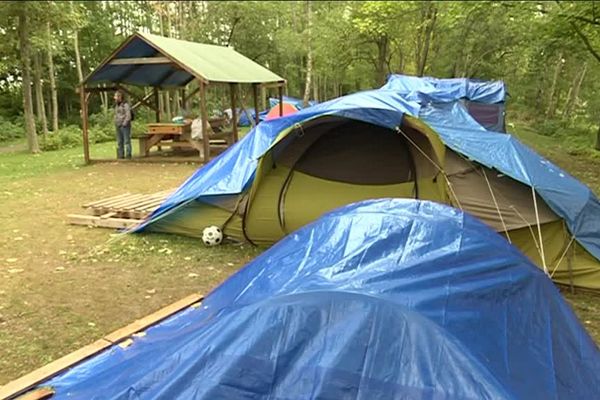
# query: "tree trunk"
574, 92
429, 21
32, 142
316, 88
77, 56
383, 49
598, 139
552, 98
53, 91
39, 93
309, 61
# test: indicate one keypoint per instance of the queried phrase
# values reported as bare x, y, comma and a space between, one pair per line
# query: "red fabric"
274, 111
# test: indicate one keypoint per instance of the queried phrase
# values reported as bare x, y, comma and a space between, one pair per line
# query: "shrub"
11, 130
66, 137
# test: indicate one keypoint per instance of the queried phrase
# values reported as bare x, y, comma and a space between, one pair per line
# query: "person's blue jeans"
124, 141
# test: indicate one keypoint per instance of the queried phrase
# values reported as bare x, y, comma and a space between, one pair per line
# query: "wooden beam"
280, 96
140, 60
29, 381
233, 90
99, 89
204, 116
84, 124
156, 104
255, 98
274, 84
144, 101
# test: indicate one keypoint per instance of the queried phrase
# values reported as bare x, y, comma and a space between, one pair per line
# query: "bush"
66, 137
11, 130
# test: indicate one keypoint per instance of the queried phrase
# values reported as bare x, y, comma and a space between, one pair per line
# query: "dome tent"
381, 143
389, 298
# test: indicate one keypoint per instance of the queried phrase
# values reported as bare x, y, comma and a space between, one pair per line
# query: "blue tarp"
233, 171
425, 89
243, 116
384, 299
298, 103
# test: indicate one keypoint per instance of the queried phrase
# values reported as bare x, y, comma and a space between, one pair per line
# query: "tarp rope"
539, 228
496, 205
511, 206
440, 170
562, 256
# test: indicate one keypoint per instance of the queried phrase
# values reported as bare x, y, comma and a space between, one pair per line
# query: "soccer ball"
212, 235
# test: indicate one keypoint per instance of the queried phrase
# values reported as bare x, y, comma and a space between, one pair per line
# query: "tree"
24, 47
309, 56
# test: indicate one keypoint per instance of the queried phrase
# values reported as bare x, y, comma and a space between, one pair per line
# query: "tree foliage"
547, 52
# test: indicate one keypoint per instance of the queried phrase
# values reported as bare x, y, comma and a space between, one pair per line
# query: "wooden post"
280, 95
255, 96
184, 102
233, 89
84, 124
204, 116
156, 105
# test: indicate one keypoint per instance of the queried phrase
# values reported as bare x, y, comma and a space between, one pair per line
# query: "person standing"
123, 125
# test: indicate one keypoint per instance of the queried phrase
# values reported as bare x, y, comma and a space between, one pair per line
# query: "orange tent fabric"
274, 111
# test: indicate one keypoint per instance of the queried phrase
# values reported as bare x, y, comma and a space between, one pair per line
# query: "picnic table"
179, 136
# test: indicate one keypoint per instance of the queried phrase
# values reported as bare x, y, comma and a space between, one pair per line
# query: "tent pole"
232, 90
280, 95
539, 228
204, 116
156, 105
255, 97
84, 125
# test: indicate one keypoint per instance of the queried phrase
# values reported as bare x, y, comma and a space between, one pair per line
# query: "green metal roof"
190, 60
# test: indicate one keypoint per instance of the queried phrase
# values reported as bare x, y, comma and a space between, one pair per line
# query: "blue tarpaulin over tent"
446, 90
377, 300
234, 170
298, 103
243, 116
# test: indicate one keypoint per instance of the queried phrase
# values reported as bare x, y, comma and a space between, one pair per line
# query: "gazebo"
159, 62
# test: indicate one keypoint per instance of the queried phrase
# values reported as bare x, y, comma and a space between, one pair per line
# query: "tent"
484, 100
298, 103
287, 109
243, 116
288, 171
389, 298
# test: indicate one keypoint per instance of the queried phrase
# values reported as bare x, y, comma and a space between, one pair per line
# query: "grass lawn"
63, 286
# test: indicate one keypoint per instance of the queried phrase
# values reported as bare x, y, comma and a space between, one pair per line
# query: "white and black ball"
212, 235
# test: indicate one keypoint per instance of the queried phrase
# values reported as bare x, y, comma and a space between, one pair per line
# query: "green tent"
330, 161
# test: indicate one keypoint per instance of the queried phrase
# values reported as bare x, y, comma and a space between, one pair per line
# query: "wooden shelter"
165, 63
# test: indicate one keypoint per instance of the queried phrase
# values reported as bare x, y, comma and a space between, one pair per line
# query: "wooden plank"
38, 394
233, 90
109, 202
153, 318
84, 125
48, 371
93, 203
255, 98
93, 220
140, 60
204, 116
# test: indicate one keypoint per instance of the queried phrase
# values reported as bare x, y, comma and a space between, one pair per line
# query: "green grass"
64, 286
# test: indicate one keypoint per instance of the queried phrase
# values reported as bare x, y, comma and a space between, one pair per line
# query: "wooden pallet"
122, 211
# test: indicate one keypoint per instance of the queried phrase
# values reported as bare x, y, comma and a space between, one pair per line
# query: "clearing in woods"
63, 286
